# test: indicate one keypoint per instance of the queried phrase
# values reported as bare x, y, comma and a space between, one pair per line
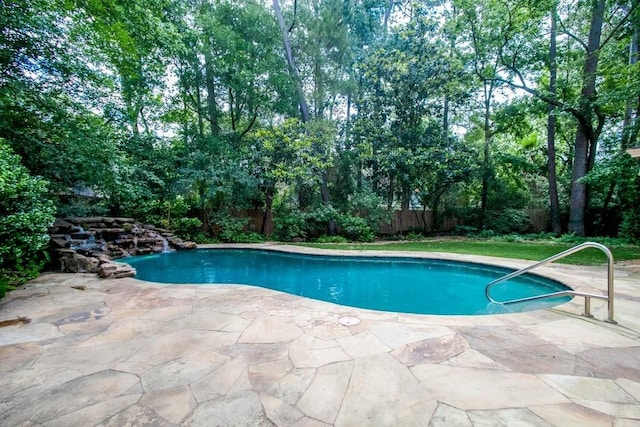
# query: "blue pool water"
407, 285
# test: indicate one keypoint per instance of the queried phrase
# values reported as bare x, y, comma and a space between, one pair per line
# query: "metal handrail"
587, 297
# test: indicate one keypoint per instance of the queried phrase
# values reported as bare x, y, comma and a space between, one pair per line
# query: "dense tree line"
324, 113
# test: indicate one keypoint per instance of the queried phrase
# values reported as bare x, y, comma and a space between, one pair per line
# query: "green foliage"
79, 206
187, 228
227, 227
242, 237
465, 230
615, 194
231, 229
25, 215
355, 229
506, 221
630, 227
176, 207
496, 223
331, 239
317, 219
413, 235
370, 207
291, 152
288, 225
290, 222
469, 217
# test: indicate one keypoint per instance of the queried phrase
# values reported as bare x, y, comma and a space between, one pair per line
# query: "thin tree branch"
571, 35
250, 125
295, 10
617, 27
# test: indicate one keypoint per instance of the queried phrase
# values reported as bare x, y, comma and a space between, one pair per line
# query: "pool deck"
126, 352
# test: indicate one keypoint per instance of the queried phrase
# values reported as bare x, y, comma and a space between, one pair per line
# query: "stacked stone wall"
90, 244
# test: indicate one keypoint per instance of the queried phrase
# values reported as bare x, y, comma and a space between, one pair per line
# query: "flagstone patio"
77, 350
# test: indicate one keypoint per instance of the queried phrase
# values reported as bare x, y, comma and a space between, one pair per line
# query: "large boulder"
116, 270
73, 262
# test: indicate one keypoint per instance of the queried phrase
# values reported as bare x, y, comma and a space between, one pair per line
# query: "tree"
26, 213
398, 129
556, 225
497, 33
518, 63
304, 107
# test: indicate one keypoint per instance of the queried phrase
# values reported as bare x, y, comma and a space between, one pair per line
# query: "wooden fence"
403, 221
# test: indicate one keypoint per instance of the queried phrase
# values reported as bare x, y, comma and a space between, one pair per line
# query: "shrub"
318, 219
187, 228
242, 237
371, 208
82, 207
25, 215
356, 229
331, 239
288, 225
230, 229
464, 230
413, 235
506, 221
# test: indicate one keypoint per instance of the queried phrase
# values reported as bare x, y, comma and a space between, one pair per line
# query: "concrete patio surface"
76, 350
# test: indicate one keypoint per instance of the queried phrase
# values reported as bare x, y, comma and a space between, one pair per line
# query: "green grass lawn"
535, 251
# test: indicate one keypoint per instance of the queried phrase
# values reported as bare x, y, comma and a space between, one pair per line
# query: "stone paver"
384, 391
325, 394
126, 352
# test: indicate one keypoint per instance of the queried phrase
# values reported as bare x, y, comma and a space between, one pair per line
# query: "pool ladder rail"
587, 297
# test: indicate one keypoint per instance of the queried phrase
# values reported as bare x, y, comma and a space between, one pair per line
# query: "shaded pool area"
404, 285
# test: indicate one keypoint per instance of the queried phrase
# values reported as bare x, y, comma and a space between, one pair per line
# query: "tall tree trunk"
212, 106
406, 196
556, 225
390, 192
486, 172
304, 107
268, 205
585, 135
198, 83
445, 116
630, 124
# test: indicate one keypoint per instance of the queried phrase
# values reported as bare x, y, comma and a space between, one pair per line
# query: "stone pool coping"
112, 352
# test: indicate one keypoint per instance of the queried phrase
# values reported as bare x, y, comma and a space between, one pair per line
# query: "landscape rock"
76, 263
116, 270
89, 244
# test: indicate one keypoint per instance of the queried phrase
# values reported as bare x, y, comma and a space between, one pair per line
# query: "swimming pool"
406, 285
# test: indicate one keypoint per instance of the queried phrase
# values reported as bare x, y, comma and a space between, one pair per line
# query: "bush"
25, 215
371, 208
288, 225
356, 229
413, 235
229, 228
331, 239
469, 219
507, 221
77, 206
318, 219
464, 230
242, 237
187, 228
630, 227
